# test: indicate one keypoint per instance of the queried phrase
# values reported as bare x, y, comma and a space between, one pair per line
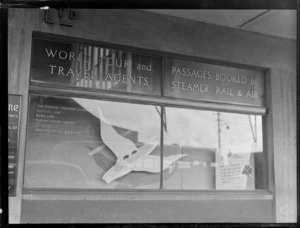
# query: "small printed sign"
14, 112
237, 173
213, 83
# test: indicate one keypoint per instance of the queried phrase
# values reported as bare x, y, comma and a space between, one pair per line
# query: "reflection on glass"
91, 144
221, 150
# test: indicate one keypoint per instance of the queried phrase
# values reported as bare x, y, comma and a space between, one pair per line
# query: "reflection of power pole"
221, 123
164, 118
219, 132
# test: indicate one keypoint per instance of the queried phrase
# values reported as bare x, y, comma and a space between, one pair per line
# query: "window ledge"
157, 196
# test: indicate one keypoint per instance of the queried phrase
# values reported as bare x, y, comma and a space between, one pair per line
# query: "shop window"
93, 144
154, 123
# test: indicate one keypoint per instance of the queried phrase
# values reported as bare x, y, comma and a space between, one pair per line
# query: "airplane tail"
101, 117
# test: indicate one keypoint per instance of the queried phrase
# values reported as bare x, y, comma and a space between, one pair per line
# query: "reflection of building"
160, 47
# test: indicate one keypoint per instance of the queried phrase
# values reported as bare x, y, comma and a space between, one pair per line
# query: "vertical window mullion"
161, 145
162, 113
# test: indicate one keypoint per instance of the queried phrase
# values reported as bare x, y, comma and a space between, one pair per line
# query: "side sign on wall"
207, 82
64, 17
14, 111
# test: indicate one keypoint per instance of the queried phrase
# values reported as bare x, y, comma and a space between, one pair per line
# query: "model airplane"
129, 157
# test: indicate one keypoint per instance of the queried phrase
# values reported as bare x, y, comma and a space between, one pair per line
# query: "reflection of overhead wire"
164, 117
254, 131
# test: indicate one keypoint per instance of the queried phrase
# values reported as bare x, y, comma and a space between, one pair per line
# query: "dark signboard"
14, 111
81, 65
207, 82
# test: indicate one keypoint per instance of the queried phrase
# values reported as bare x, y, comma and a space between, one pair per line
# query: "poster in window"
85, 144
235, 171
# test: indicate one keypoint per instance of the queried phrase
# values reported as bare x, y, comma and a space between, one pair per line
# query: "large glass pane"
220, 150
90, 144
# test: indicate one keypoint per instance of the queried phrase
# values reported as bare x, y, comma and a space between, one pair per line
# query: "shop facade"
127, 116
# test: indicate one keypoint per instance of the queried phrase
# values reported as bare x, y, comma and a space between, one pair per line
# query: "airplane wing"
169, 160
151, 163
119, 145
147, 149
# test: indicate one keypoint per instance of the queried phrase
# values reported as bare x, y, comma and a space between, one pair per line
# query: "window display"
94, 144
84, 143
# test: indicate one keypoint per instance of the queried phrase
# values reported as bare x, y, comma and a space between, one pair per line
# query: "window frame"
48, 89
